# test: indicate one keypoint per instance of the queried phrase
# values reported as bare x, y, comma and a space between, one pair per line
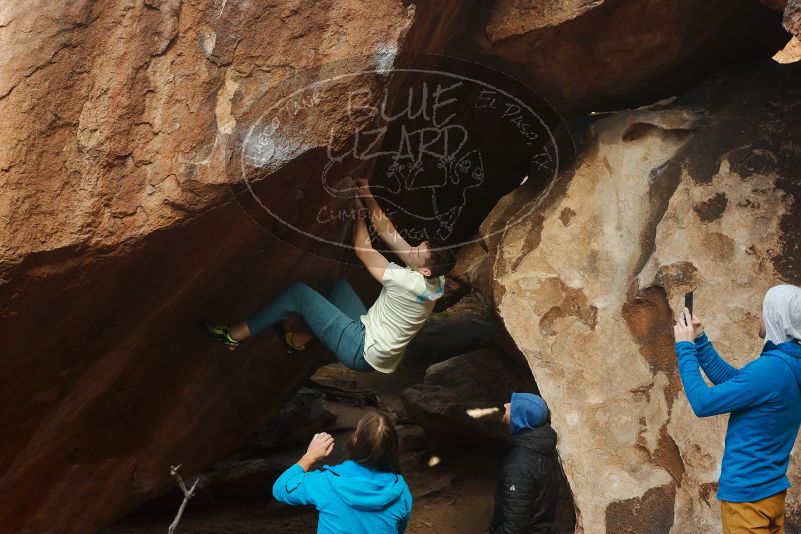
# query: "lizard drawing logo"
438, 146
432, 162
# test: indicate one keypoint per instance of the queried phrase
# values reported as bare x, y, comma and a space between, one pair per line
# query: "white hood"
781, 312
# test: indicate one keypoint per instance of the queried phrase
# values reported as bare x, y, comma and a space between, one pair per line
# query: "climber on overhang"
362, 339
764, 400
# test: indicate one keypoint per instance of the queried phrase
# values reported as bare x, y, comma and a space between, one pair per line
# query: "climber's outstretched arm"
382, 224
375, 262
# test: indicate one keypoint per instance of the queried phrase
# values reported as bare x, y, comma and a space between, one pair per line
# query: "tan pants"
765, 516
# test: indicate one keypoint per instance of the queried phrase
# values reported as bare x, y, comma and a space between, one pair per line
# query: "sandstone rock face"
790, 53
792, 17
702, 194
121, 128
601, 54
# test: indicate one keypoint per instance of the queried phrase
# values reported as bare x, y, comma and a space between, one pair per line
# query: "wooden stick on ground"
188, 494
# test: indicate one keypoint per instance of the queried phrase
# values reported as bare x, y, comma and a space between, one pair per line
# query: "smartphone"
688, 302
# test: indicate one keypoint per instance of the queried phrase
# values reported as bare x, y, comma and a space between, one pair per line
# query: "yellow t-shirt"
405, 302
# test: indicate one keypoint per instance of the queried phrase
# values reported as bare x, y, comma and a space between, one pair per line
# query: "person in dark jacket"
525, 499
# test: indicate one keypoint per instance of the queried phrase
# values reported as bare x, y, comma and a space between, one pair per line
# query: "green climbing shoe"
220, 333
286, 338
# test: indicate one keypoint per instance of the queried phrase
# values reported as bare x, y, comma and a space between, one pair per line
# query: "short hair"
440, 259
374, 443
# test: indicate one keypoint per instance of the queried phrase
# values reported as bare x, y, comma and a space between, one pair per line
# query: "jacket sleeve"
513, 502
716, 368
297, 487
750, 386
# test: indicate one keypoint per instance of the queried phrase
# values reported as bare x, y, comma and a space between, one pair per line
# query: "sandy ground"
462, 505
452, 497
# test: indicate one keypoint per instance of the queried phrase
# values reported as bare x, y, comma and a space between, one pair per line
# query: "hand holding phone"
691, 319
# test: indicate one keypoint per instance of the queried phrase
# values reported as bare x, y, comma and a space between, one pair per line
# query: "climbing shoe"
286, 338
220, 333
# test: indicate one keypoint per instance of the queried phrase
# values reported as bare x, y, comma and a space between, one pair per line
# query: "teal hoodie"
351, 498
764, 400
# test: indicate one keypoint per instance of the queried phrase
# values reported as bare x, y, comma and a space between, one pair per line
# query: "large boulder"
698, 195
132, 171
124, 126
604, 54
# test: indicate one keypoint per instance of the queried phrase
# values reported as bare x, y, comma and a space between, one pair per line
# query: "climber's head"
374, 443
431, 259
525, 410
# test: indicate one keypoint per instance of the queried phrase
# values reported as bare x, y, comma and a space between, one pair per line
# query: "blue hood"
363, 488
790, 352
527, 411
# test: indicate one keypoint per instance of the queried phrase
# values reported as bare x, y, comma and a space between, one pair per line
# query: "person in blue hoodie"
527, 493
364, 495
764, 400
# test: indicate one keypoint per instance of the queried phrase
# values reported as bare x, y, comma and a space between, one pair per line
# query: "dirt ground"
455, 496
453, 501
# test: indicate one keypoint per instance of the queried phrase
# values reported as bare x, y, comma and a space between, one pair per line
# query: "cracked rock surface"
665, 200
119, 231
602, 54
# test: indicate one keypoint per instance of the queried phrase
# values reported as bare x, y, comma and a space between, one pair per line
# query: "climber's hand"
363, 187
684, 329
321, 446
